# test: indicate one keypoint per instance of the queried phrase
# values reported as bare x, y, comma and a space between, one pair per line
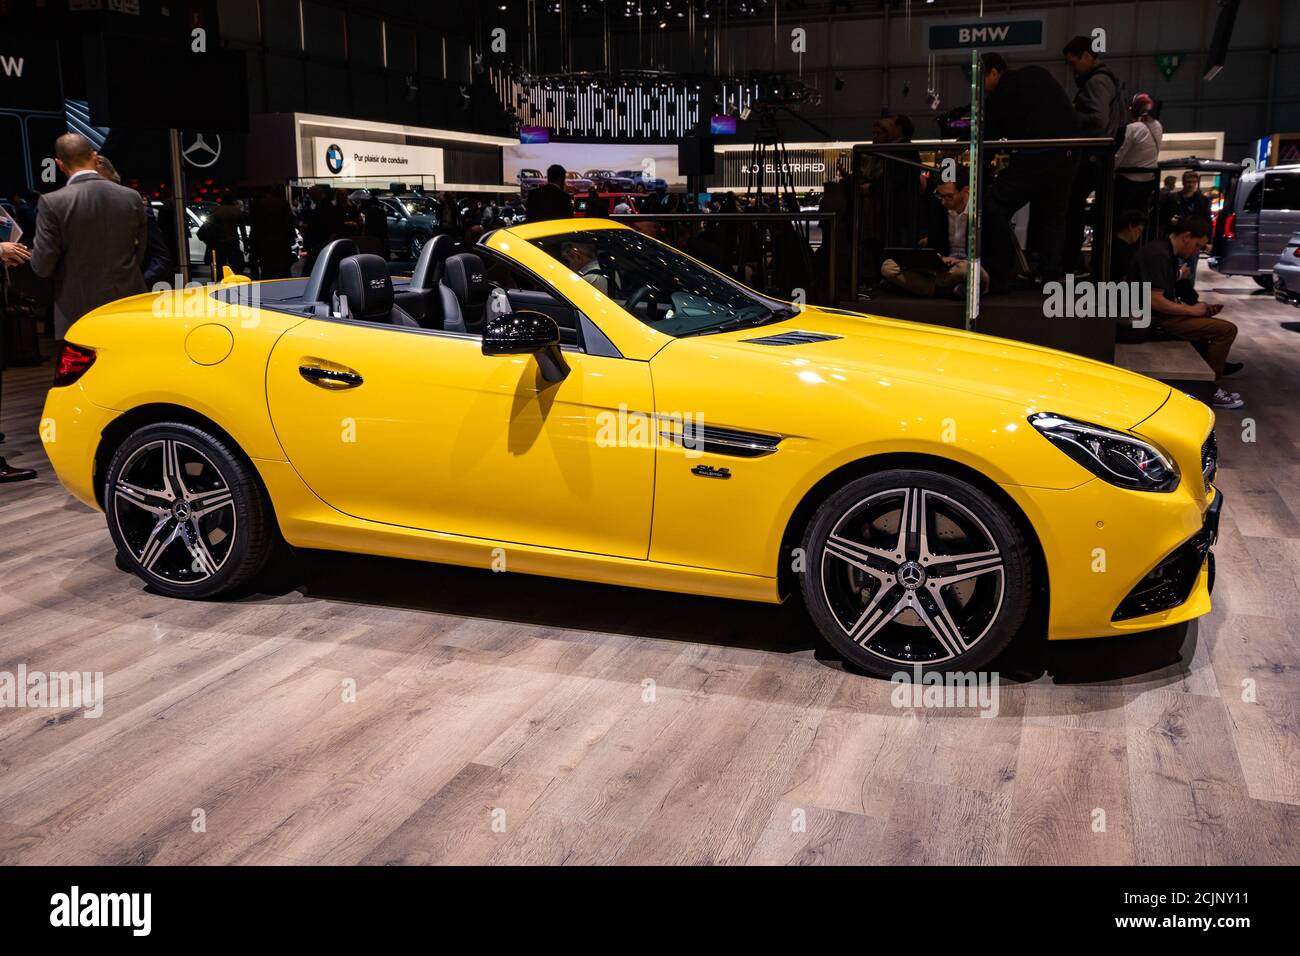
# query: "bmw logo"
334, 158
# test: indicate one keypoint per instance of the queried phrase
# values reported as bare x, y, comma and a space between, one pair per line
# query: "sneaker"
1224, 399
1232, 368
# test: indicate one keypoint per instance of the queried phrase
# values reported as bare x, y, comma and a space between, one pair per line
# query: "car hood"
963, 363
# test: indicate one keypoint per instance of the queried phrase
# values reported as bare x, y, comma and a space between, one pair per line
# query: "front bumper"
1170, 583
1105, 546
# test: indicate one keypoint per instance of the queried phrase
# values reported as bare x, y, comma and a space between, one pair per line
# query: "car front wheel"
417, 244
915, 568
186, 511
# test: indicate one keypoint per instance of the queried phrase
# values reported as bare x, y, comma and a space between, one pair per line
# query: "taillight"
1230, 227
1297, 252
73, 362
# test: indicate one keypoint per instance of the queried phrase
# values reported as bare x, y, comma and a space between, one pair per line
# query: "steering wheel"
639, 295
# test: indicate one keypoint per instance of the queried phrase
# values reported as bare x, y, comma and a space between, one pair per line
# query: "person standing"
597, 205
1026, 103
1140, 150
12, 253
91, 237
550, 200
223, 231
1100, 107
1188, 204
270, 234
158, 263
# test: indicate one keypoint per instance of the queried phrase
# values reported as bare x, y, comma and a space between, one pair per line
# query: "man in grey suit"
91, 236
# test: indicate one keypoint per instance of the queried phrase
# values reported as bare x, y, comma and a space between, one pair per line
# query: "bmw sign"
334, 158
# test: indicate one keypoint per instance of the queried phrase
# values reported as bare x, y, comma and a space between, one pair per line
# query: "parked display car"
1286, 272
611, 199
412, 221
608, 181
1264, 214
574, 183
530, 179
624, 414
643, 182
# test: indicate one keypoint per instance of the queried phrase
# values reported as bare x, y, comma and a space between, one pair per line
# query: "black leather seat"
431, 265
464, 291
368, 289
420, 297
325, 272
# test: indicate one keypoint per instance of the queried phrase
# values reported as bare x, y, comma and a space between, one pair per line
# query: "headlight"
1116, 457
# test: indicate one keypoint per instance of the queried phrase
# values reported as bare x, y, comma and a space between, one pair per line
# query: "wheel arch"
829, 483
157, 413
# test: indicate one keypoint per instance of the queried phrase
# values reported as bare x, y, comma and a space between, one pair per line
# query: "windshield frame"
776, 310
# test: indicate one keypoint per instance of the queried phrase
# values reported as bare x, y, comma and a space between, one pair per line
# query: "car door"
1280, 216
419, 429
1240, 229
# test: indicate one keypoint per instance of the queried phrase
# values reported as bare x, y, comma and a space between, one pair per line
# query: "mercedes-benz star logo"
334, 158
200, 153
911, 575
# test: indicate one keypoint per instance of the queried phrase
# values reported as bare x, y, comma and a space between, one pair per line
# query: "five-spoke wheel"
185, 512
911, 568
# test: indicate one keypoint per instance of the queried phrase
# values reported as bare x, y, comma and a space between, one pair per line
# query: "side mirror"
527, 333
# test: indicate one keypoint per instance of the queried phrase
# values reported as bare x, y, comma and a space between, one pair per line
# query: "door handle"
330, 377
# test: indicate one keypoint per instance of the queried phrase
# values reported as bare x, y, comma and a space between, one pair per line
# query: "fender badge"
708, 471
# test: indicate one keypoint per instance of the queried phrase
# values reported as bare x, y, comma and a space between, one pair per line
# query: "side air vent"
720, 441
793, 338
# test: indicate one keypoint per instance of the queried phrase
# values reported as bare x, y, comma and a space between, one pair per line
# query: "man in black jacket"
1026, 103
549, 201
1100, 105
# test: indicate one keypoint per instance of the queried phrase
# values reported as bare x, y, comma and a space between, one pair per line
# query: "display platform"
1015, 315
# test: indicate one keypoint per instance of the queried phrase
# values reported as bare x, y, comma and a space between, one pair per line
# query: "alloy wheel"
175, 511
912, 576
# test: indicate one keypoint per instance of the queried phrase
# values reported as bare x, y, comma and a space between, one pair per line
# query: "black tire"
213, 536
887, 614
1264, 282
416, 244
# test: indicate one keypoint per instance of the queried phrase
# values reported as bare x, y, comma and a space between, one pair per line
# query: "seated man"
946, 235
581, 258
1158, 263
1128, 237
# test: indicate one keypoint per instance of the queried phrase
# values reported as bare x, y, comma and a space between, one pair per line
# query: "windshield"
419, 205
658, 285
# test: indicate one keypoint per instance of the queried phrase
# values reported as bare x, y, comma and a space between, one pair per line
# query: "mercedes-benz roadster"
576, 399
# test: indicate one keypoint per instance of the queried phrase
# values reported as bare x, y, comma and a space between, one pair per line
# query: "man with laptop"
938, 266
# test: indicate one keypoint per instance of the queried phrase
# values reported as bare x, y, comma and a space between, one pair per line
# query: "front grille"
792, 338
1170, 583
1210, 458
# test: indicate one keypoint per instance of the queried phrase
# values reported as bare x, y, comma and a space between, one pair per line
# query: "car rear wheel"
186, 511
906, 568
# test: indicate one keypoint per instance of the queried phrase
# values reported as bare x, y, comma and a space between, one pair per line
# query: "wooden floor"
502, 719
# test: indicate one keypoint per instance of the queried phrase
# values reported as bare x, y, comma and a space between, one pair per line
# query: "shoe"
1224, 399
1232, 368
9, 473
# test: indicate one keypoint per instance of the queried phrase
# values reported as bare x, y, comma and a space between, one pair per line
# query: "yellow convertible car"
576, 399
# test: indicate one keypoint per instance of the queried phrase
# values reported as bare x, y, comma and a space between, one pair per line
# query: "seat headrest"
467, 279
430, 266
365, 281
326, 270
